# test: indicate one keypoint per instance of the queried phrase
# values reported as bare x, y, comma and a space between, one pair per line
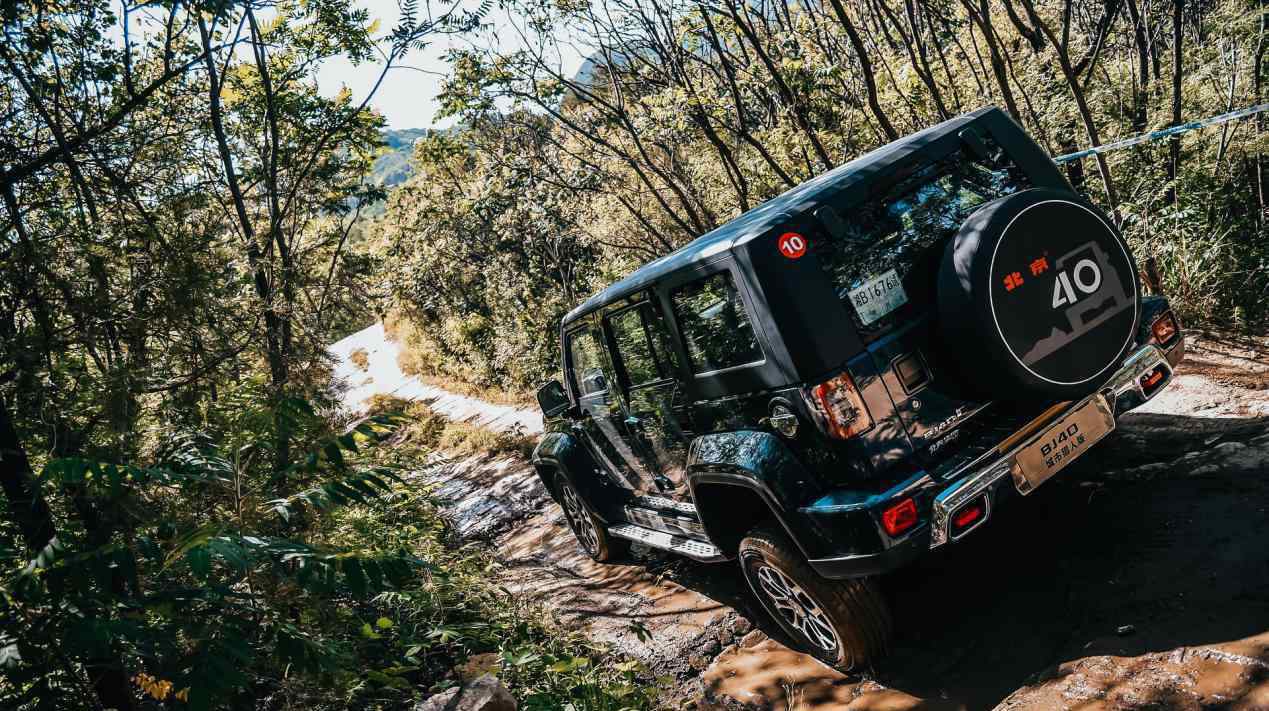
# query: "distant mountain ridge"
393, 168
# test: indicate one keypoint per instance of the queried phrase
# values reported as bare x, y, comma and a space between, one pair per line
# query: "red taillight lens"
967, 516
900, 517
841, 406
1164, 328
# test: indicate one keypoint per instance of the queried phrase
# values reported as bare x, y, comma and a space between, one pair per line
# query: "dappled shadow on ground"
1078, 592
1074, 597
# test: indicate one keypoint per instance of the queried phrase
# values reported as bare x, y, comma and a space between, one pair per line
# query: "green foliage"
556, 184
459, 618
202, 599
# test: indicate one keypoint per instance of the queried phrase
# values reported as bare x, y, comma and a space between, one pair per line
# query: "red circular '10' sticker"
792, 245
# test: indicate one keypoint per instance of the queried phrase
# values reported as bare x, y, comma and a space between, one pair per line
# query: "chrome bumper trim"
1124, 391
1120, 394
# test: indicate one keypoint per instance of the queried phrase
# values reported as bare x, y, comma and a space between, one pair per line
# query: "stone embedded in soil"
482, 497
485, 693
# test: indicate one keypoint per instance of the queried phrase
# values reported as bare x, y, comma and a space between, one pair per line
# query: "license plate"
878, 296
1062, 443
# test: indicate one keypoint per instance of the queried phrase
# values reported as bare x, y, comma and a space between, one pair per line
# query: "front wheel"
844, 623
589, 530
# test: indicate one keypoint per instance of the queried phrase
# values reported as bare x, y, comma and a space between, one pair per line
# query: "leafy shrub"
211, 593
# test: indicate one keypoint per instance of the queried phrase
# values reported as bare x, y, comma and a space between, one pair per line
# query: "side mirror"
553, 400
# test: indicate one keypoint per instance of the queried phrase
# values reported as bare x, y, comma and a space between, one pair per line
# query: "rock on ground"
485, 693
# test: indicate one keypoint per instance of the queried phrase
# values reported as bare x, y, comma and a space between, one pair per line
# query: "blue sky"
407, 97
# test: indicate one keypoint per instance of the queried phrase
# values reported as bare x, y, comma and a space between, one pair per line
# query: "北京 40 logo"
1085, 278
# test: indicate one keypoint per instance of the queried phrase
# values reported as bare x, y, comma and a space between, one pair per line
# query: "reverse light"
899, 517
1164, 328
839, 403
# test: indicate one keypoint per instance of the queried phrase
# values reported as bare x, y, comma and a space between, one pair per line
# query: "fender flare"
566, 453
753, 460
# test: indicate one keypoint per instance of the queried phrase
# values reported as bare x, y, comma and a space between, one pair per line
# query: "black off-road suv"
853, 374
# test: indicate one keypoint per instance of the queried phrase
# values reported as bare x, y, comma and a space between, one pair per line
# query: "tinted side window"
642, 344
715, 326
634, 348
588, 371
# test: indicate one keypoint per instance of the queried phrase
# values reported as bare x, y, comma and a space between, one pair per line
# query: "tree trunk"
865, 68
1174, 143
1081, 103
1142, 45
273, 322
1258, 84
794, 102
27, 507
981, 16
1075, 168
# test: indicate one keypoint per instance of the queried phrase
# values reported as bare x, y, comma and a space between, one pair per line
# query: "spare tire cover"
1037, 297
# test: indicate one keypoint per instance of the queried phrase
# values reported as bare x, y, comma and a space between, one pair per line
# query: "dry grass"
428, 429
361, 359
417, 360
498, 396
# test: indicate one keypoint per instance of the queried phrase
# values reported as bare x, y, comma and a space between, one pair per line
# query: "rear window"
641, 345
898, 230
716, 328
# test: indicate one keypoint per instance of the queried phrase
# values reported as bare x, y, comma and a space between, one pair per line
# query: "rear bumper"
991, 478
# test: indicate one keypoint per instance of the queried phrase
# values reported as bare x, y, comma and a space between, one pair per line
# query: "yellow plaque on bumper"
1062, 443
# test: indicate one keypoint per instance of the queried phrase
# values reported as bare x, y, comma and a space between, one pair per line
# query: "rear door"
658, 419
883, 258
603, 419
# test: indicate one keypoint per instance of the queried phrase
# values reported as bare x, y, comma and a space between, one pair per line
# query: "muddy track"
1139, 578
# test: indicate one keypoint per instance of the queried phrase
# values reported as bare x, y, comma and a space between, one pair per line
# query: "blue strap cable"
1163, 133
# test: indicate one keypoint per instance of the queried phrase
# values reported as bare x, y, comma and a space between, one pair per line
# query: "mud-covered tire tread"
611, 548
865, 632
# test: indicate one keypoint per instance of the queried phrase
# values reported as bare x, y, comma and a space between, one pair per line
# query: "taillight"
839, 403
899, 517
1164, 328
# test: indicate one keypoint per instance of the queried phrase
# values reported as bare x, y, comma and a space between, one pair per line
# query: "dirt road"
1137, 579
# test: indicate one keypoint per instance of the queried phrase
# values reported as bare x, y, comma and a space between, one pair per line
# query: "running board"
663, 504
696, 550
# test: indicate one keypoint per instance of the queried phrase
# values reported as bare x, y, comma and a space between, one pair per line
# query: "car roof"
758, 220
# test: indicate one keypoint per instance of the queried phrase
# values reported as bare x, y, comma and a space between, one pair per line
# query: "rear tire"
591, 532
843, 623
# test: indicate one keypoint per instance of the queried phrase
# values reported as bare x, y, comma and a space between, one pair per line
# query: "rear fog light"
1164, 329
1155, 379
967, 517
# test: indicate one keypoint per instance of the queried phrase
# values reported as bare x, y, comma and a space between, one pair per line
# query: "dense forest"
690, 112
188, 519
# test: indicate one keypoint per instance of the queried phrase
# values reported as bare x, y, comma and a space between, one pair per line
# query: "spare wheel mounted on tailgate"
1038, 297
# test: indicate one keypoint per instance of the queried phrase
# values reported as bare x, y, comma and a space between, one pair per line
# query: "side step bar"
696, 550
